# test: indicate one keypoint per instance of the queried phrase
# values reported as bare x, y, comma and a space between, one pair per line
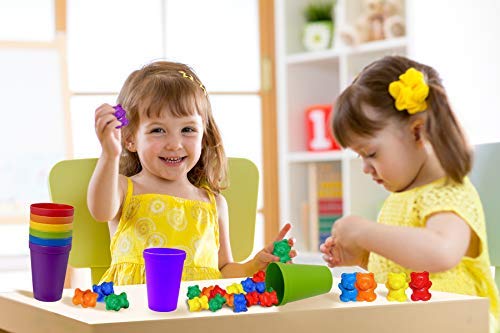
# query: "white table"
445, 312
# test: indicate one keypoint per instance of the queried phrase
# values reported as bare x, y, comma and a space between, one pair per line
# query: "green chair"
486, 177
68, 182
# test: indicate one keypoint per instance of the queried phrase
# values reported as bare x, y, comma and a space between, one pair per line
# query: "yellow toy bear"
396, 285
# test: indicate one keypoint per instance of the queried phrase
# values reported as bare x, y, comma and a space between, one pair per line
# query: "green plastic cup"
293, 282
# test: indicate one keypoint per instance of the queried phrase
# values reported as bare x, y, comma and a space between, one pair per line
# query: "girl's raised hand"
107, 133
266, 256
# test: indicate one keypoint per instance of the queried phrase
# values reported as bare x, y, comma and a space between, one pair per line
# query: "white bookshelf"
308, 78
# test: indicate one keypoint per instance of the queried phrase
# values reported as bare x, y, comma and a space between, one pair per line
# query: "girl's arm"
227, 266
106, 189
437, 247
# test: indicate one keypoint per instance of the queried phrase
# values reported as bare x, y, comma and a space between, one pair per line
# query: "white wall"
461, 40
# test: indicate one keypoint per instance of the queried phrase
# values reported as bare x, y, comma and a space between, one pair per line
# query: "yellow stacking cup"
51, 227
51, 219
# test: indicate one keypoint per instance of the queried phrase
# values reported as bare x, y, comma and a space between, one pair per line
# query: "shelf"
325, 156
383, 45
312, 57
331, 54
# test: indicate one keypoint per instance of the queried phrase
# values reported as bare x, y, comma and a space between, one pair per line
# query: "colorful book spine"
329, 198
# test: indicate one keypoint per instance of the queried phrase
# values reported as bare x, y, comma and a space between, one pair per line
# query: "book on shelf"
325, 201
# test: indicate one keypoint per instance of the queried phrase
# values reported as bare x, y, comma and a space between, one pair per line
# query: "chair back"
68, 183
486, 177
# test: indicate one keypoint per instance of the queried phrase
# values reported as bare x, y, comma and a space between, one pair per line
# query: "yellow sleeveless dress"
160, 220
472, 276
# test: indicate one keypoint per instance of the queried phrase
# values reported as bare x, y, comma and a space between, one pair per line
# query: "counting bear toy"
348, 288
365, 283
85, 298
116, 302
101, 293
420, 285
282, 249
239, 296
104, 289
396, 285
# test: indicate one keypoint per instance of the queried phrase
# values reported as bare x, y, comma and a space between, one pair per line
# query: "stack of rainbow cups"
51, 229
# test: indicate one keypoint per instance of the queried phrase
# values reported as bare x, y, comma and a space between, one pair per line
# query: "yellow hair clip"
410, 91
184, 74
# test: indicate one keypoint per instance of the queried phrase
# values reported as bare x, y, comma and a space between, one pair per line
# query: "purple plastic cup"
163, 277
48, 270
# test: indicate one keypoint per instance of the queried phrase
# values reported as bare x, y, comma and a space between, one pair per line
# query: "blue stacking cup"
50, 242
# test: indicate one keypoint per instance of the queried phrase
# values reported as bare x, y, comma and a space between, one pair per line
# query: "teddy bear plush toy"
380, 19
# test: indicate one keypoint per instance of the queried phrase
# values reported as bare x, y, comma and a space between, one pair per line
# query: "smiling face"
168, 146
393, 157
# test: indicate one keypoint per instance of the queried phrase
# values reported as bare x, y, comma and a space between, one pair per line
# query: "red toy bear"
420, 285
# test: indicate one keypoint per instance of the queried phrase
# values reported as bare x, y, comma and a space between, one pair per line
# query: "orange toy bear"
86, 298
365, 283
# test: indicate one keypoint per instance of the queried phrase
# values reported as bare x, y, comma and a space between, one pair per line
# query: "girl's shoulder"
451, 196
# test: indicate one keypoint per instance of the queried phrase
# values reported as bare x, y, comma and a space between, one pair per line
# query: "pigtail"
446, 135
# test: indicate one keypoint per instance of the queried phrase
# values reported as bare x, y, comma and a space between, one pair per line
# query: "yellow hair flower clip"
410, 91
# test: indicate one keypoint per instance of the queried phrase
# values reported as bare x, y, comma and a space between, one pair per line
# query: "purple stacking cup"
163, 277
48, 270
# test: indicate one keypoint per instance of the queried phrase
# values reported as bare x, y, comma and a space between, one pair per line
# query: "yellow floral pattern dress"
472, 276
160, 220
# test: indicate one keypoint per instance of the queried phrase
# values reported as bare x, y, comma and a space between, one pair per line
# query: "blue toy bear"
348, 288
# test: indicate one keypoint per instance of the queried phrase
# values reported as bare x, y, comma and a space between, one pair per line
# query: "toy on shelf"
282, 249
380, 19
104, 289
85, 298
319, 137
347, 286
116, 302
420, 284
396, 286
365, 283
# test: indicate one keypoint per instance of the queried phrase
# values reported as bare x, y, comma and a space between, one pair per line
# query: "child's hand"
265, 256
342, 248
107, 133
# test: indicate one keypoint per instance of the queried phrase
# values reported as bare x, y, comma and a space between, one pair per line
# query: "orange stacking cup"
51, 220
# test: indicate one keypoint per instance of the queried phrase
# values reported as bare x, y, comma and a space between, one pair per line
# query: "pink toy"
420, 285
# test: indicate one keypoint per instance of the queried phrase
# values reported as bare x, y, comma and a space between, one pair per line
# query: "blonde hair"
164, 87
371, 88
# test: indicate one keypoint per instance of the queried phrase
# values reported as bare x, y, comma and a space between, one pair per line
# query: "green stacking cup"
50, 235
293, 282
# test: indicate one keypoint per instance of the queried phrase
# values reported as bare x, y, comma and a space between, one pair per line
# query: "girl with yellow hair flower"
397, 117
